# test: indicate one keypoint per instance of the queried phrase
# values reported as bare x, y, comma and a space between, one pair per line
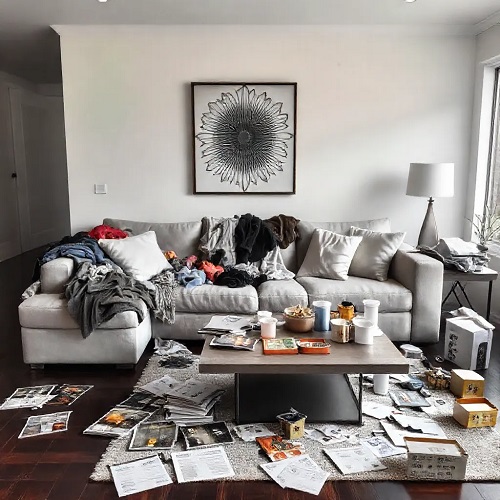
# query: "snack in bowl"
298, 319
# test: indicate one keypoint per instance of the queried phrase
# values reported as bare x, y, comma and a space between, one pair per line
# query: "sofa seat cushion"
276, 295
217, 299
393, 296
50, 311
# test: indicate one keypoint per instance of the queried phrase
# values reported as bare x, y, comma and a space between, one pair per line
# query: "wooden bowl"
298, 325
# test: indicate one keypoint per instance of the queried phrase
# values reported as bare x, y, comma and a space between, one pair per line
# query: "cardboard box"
435, 459
475, 412
467, 344
466, 383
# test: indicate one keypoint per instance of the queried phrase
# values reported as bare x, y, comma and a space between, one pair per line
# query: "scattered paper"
397, 435
299, 473
153, 436
29, 397
162, 386
381, 447
228, 324
45, 424
206, 434
377, 410
249, 432
417, 424
400, 377
319, 436
354, 460
67, 394
117, 422
139, 475
203, 464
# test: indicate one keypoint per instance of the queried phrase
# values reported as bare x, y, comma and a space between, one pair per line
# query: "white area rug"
482, 445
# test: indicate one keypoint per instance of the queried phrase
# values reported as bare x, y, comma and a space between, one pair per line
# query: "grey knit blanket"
165, 288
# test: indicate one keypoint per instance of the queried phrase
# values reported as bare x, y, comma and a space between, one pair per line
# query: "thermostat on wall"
100, 188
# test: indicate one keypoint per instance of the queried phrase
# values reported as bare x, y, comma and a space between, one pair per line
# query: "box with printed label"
467, 344
435, 459
475, 412
466, 384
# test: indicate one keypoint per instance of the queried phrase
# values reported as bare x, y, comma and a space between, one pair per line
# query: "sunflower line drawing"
244, 137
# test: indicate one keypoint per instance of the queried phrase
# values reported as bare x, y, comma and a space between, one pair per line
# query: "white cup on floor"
381, 383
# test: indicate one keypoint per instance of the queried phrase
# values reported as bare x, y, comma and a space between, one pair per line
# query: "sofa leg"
37, 366
125, 366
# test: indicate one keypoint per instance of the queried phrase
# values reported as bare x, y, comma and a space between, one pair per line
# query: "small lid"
371, 303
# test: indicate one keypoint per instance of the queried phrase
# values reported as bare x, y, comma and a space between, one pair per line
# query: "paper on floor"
355, 459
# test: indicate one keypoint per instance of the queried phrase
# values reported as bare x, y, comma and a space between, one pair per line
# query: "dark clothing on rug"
233, 278
253, 239
284, 228
95, 298
165, 287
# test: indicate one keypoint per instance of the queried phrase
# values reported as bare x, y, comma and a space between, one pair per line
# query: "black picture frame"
244, 137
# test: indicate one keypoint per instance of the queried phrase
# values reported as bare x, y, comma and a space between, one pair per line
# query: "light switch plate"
100, 188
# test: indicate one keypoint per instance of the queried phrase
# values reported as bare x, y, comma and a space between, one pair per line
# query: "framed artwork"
244, 137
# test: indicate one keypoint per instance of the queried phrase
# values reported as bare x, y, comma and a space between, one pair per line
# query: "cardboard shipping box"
435, 459
475, 412
466, 383
467, 344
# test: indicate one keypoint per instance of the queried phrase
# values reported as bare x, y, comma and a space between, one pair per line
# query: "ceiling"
30, 49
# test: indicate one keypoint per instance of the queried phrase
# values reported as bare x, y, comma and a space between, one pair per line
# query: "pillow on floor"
138, 255
374, 254
329, 255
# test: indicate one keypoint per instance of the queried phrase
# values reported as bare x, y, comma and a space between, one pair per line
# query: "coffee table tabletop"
380, 357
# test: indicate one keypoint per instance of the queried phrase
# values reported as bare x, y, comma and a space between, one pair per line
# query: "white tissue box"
467, 344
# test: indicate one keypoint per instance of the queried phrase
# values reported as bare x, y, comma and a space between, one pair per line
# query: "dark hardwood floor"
58, 466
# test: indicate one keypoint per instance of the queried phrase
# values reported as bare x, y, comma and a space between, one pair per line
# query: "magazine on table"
28, 397
226, 324
67, 394
153, 436
206, 434
38, 425
234, 341
117, 422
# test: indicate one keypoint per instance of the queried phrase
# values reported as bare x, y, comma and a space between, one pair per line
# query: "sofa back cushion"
182, 237
306, 230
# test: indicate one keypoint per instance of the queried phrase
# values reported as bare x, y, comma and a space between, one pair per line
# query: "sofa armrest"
423, 276
55, 274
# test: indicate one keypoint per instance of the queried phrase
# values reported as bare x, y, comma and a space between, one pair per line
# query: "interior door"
10, 238
40, 160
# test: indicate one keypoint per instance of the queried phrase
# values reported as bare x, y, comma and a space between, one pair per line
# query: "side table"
458, 277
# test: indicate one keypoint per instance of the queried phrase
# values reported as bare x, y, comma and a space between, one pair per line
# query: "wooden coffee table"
314, 384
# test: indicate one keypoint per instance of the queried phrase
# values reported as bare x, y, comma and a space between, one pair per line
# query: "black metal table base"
322, 397
462, 289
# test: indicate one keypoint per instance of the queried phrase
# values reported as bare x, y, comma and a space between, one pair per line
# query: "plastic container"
371, 310
381, 383
268, 328
363, 331
340, 330
321, 315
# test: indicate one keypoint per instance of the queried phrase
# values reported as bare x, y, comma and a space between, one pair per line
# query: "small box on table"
467, 344
475, 412
435, 459
466, 383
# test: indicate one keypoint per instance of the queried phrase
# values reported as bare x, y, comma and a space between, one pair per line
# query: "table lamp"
430, 180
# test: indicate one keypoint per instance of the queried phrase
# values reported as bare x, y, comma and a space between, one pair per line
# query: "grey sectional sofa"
410, 300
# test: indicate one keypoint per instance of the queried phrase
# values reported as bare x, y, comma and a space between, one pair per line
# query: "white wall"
369, 103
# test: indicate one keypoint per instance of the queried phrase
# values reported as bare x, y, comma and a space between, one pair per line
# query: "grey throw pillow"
374, 254
329, 255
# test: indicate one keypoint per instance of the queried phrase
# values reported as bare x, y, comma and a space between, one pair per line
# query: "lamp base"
428, 236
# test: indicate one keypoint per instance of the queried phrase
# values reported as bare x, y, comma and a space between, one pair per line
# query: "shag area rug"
481, 444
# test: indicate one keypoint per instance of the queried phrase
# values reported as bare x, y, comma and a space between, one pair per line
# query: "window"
492, 198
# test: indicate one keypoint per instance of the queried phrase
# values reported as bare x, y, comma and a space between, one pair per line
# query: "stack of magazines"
191, 401
220, 325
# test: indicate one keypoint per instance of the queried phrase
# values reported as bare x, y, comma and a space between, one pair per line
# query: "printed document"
202, 464
139, 475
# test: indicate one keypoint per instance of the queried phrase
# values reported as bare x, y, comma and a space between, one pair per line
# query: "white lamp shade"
434, 180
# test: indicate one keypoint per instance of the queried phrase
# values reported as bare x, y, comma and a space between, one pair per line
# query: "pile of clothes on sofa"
237, 251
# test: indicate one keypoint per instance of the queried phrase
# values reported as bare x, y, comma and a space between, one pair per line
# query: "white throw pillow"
374, 255
138, 255
329, 255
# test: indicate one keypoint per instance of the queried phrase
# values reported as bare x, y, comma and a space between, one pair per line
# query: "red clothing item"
107, 233
211, 270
